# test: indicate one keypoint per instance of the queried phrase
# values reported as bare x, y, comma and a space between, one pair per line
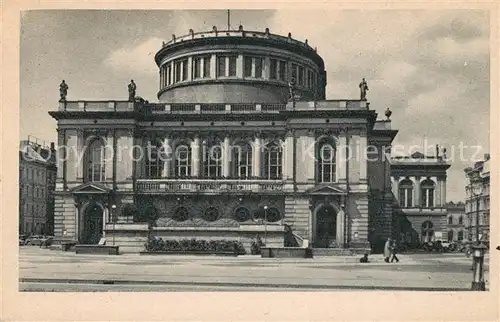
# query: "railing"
96, 106
208, 186
234, 33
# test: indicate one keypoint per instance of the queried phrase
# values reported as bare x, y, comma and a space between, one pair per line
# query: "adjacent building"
37, 178
242, 143
477, 202
456, 222
419, 187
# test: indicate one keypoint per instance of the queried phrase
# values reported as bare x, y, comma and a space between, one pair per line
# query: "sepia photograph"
242, 150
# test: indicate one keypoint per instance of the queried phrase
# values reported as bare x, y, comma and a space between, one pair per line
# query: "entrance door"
326, 227
92, 227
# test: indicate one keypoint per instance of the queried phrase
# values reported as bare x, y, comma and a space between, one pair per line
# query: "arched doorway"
92, 224
326, 227
427, 231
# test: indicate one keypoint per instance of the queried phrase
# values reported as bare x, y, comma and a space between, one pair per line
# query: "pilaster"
195, 157
257, 149
417, 193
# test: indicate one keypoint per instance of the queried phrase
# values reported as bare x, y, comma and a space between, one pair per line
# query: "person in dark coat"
393, 252
364, 259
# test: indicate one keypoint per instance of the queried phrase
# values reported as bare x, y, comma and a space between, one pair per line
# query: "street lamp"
113, 208
265, 225
478, 249
477, 191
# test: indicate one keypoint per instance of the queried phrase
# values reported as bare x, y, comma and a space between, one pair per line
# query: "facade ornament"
131, 90
173, 37
63, 91
388, 114
363, 87
291, 90
267, 32
240, 28
191, 32
289, 35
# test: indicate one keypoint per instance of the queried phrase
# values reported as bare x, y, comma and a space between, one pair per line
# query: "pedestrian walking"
394, 249
387, 250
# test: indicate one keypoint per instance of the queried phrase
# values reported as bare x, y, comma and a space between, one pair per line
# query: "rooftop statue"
131, 90
291, 88
63, 91
363, 87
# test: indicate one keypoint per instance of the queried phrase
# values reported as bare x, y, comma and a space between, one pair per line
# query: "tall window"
177, 70
183, 160
273, 72
154, 163
221, 66
272, 162
460, 235
184, 69
206, 67
309, 79
460, 220
294, 72
258, 67
406, 193
427, 231
326, 161
197, 67
232, 66
212, 159
243, 160
282, 70
427, 188
247, 66
301, 75
95, 165
450, 236
169, 74
450, 220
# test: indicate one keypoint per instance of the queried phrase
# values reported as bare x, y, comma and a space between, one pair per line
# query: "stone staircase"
297, 214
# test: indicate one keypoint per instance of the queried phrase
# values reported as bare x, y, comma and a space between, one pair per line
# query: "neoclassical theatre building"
241, 143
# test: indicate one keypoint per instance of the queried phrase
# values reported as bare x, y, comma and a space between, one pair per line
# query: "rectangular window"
197, 67
206, 67
282, 71
185, 70
232, 66
294, 72
273, 69
247, 66
258, 67
221, 66
177, 70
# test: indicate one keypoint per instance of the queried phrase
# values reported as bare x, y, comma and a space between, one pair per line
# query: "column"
202, 67
341, 159
108, 156
195, 157
443, 191
167, 158
72, 161
256, 156
226, 157
363, 164
340, 227
253, 68
311, 159
416, 193
239, 66
288, 156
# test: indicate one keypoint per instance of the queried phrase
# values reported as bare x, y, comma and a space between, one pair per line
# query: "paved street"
51, 270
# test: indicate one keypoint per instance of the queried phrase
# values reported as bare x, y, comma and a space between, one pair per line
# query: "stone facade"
37, 176
216, 169
419, 186
456, 222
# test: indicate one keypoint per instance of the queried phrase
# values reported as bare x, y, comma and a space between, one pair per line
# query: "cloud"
137, 59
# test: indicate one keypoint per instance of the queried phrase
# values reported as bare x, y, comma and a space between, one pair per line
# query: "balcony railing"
208, 186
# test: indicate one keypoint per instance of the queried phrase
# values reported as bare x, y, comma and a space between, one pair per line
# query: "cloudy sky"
431, 68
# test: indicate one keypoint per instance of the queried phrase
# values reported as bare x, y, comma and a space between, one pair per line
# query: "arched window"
450, 220
154, 160
326, 156
450, 236
96, 165
427, 187
460, 220
182, 155
272, 161
427, 231
212, 159
242, 160
406, 193
460, 235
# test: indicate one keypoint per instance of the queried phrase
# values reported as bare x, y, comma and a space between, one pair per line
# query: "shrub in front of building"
157, 244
